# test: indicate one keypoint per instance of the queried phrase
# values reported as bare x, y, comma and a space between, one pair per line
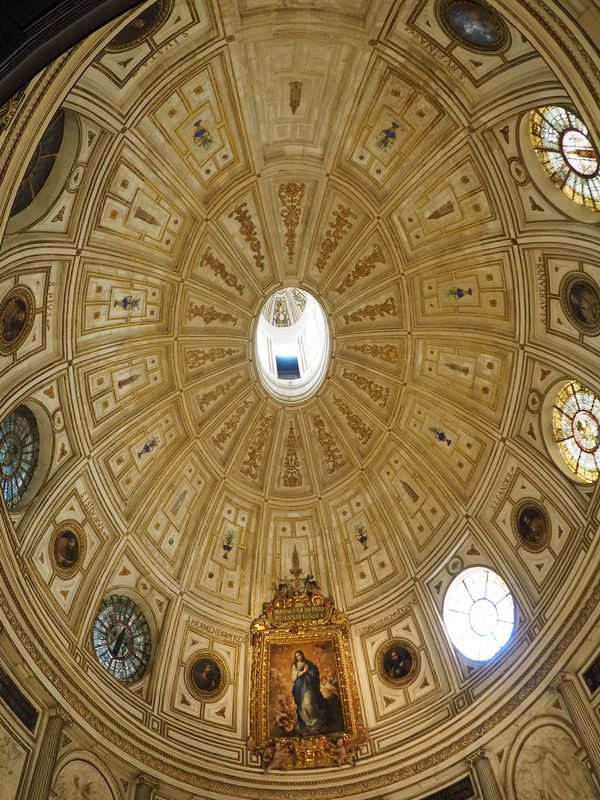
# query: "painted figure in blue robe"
311, 706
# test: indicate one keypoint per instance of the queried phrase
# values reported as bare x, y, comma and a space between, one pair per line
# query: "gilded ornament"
372, 311
291, 474
337, 229
380, 394
230, 426
331, 455
210, 314
309, 716
219, 269
362, 269
252, 461
291, 195
355, 423
197, 358
209, 397
248, 230
386, 352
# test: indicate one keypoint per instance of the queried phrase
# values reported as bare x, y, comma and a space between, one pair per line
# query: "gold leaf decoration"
291, 475
355, 423
254, 455
362, 268
380, 394
291, 195
338, 227
248, 230
218, 268
331, 454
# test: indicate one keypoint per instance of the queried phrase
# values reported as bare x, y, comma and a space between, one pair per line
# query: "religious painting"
532, 525
16, 318
144, 25
303, 693
580, 300
397, 662
206, 675
304, 709
548, 767
473, 25
68, 547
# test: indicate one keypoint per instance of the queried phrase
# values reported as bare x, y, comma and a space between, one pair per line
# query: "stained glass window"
479, 613
121, 638
19, 451
564, 146
576, 428
41, 164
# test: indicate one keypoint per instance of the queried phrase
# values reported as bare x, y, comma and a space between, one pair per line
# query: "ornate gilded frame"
299, 617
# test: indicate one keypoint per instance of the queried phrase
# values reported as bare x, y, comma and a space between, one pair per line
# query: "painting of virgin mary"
304, 697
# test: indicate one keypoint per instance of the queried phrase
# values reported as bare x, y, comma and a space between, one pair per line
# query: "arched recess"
54, 183
546, 754
82, 774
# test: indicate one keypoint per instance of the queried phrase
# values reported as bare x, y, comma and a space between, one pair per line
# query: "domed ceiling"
213, 154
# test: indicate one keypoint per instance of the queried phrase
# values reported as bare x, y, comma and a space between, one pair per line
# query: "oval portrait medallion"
532, 525
397, 662
16, 318
473, 25
68, 548
580, 300
144, 25
206, 675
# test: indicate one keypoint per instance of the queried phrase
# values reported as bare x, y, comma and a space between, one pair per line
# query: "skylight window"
292, 344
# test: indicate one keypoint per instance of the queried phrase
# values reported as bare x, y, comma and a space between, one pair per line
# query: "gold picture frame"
304, 706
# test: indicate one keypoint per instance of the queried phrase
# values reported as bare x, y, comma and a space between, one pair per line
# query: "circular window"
140, 28
565, 149
576, 429
292, 344
19, 451
474, 25
41, 164
121, 638
479, 613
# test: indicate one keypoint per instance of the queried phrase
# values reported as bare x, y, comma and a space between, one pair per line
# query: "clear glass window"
479, 613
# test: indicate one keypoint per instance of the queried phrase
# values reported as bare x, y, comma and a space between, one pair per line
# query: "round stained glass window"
576, 429
292, 344
479, 613
121, 638
565, 148
19, 451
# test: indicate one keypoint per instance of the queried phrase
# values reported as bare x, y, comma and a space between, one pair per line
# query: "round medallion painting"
473, 25
532, 525
68, 548
16, 318
397, 662
580, 299
206, 675
144, 25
